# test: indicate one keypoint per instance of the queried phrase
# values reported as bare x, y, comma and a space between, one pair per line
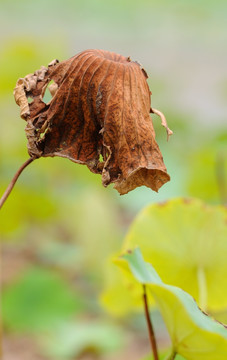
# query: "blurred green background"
60, 225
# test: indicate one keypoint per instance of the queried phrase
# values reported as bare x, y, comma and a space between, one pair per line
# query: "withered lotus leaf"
99, 115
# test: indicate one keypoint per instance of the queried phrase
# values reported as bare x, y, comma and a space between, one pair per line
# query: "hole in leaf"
43, 134
30, 99
49, 92
101, 158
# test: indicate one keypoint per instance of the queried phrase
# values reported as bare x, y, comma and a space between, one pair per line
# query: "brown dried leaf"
21, 99
99, 116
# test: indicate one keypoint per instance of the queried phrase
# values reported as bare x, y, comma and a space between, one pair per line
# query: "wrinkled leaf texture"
99, 116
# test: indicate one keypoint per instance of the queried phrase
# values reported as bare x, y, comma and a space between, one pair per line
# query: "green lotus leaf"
122, 293
39, 300
194, 335
186, 241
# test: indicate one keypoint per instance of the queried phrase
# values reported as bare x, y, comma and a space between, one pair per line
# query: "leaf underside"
99, 116
194, 335
186, 241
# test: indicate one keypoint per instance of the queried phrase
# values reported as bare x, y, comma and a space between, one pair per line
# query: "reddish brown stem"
14, 180
149, 325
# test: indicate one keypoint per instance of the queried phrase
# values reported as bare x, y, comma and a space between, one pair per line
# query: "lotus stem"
150, 326
14, 180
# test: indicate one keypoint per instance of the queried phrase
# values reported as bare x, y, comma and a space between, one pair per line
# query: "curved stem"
164, 122
149, 325
14, 180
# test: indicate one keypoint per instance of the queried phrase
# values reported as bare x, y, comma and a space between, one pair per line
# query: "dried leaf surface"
99, 116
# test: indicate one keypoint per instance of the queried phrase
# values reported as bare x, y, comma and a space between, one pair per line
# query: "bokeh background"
60, 225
